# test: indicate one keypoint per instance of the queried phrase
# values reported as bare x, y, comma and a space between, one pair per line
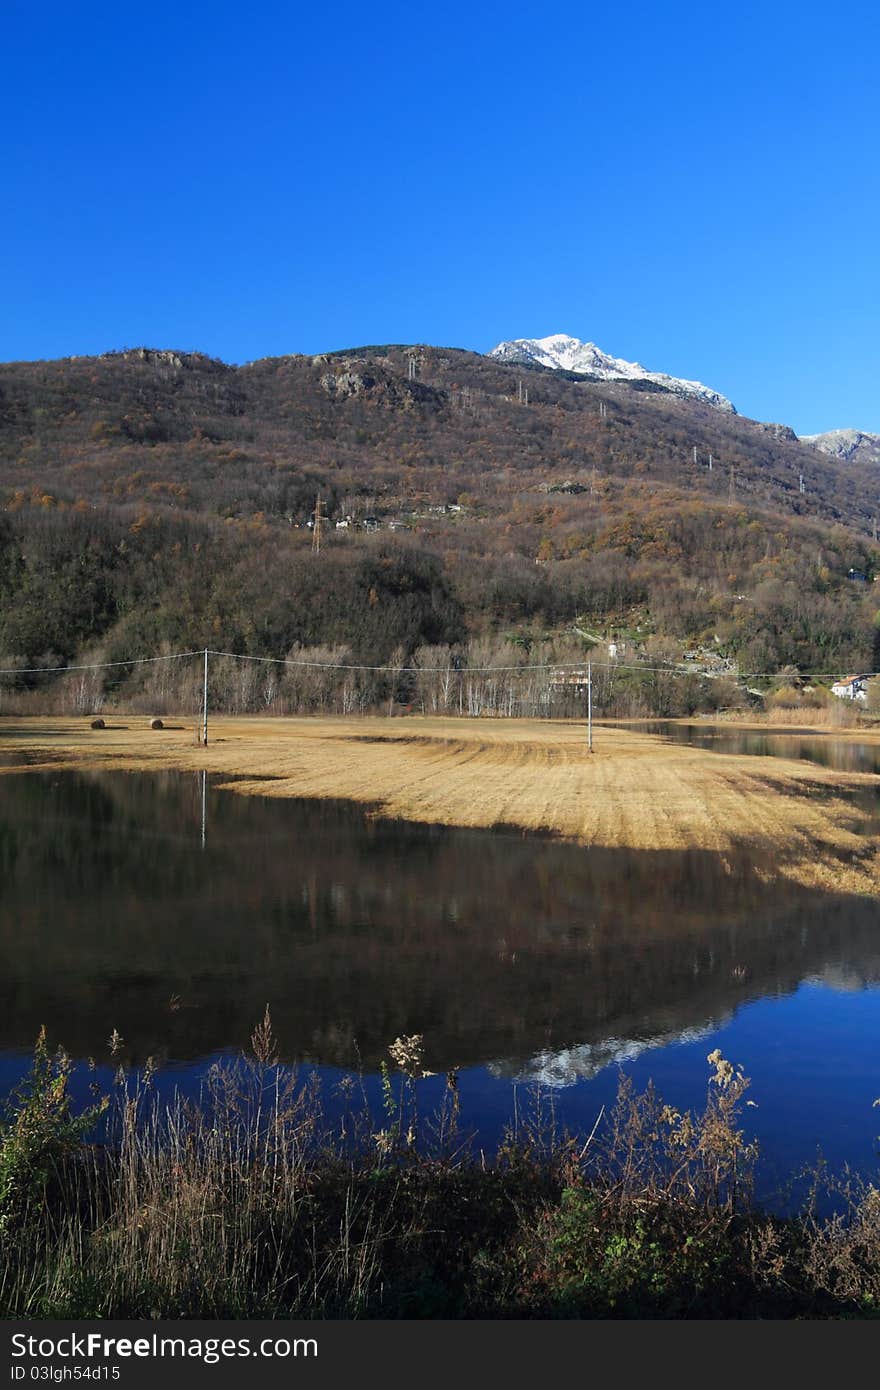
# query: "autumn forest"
158, 501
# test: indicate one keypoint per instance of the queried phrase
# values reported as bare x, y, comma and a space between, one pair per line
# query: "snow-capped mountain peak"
562, 352
859, 445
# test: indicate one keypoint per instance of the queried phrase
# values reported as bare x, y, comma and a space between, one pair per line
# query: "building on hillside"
568, 678
851, 688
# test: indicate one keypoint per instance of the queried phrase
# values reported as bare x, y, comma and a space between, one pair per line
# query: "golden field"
633, 790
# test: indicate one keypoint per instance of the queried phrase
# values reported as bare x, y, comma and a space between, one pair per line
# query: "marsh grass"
635, 791
263, 1200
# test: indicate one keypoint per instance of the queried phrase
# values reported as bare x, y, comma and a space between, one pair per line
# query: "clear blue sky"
692, 188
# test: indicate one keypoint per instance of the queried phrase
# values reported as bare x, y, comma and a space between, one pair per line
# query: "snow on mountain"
560, 352
858, 445
585, 1060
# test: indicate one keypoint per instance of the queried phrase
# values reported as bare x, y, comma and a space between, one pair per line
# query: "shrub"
40, 1133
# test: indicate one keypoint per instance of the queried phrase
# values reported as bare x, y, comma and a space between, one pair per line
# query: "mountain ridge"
154, 496
561, 351
846, 444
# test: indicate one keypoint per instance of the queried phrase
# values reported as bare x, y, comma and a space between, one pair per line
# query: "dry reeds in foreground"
262, 1201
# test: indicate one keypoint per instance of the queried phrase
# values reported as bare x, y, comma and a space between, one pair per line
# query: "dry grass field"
634, 790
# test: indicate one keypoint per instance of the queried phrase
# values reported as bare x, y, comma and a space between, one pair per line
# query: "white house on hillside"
851, 688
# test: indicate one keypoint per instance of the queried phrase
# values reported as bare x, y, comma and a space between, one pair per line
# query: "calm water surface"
827, 750
173, 911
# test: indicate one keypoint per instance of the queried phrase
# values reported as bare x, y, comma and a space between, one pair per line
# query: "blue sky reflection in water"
524, 961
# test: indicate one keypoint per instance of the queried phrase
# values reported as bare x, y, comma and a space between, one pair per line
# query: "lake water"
174, 911
826, 750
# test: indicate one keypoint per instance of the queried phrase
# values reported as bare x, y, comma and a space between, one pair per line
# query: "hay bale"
97, 724
156, 724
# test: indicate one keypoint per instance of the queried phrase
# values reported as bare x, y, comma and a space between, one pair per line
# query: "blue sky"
695, 189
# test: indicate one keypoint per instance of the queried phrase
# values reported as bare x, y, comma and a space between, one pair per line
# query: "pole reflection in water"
520, 958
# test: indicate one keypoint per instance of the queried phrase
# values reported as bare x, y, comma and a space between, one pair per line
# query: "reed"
260, 1200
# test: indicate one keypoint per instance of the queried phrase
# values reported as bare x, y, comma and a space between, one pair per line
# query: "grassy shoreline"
634, 790
259, 1203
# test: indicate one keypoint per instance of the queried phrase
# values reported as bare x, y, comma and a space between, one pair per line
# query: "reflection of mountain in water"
571, 1064
492, 945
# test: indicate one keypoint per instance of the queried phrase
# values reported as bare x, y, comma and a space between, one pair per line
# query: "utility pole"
205, 704
204, 805
590, 706
316, 529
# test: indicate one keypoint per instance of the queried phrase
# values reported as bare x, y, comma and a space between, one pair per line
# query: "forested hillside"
155, 500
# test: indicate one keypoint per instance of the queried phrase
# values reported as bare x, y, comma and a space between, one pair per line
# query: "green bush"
40, 1133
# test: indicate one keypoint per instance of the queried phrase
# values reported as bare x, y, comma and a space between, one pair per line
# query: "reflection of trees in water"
492, 945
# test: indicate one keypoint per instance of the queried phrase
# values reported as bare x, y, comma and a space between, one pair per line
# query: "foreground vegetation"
265, 1201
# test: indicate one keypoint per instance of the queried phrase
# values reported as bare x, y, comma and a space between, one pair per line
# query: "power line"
91, 665
528, 666
523, 668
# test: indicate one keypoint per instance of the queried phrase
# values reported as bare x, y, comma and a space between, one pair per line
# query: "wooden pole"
590, 706
205, 704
